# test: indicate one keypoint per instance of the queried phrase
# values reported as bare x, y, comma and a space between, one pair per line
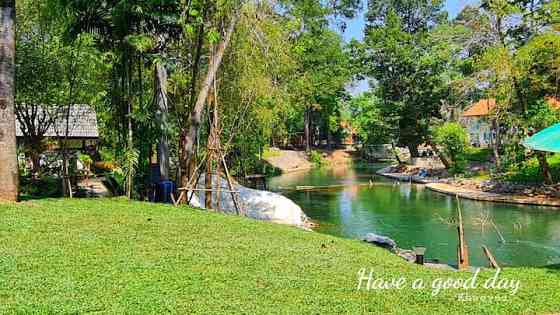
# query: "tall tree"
8, 150
409, 72
416, 15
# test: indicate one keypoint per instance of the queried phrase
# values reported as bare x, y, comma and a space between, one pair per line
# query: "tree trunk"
396, 153
541, 156
189, 135
36, 161
130, 176
307, 128
9, 172
441, 156
161, 100
413, 148
496, 144
210, 145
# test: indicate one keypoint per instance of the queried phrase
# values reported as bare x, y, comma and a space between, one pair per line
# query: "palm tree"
8, 151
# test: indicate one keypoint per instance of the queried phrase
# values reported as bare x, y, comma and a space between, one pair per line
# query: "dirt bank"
292, 161
288, 160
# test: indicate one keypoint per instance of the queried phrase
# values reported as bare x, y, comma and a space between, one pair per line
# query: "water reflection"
413, 215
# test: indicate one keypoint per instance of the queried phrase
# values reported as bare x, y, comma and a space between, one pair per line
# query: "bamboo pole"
502, 239
462, 250
491, 259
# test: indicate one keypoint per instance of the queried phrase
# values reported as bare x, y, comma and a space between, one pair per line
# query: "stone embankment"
480, 190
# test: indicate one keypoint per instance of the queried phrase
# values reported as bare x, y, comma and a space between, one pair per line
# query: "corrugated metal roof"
82, 123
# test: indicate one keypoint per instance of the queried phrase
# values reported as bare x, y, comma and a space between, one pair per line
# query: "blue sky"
356, 26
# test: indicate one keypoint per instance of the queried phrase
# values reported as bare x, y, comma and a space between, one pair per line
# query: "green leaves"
140, 42
455, 140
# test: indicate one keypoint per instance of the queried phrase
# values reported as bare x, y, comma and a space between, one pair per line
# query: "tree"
409, 72
135, 33
8, 151
188, 135
365, 113
323, 63
416, 15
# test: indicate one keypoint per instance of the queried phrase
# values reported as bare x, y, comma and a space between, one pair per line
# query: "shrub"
44, 187
477, 154
316, 158
529, 171
454, 140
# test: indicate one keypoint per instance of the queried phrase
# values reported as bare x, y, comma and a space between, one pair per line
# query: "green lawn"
114, 256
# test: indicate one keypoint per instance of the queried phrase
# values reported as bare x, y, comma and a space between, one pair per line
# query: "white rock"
257, 204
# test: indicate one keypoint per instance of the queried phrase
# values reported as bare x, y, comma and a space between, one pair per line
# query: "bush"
44, 187
316, 158
477, 154
454, 140
529, 171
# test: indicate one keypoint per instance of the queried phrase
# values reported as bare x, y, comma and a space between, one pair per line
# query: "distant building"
475, 119
82, 127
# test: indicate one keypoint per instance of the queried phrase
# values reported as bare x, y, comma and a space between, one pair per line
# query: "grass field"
114, 256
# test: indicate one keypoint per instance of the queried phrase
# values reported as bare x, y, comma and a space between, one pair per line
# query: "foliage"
51, 73
398, 59
454, 140
316, 157
365, 114
473, 154
47, 186
529, 170
86, 160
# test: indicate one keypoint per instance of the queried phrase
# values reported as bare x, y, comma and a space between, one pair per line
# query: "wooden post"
230, 185
419, 252
462, 250
491, 259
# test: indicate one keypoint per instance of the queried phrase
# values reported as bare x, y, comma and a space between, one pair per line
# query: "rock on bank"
257, 204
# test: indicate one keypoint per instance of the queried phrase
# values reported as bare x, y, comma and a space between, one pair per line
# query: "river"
415, 216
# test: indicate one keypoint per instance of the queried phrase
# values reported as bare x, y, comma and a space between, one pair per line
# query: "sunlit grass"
114, 256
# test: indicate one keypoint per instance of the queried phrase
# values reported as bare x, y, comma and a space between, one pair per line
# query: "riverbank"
476, 189
115, 256
289, 161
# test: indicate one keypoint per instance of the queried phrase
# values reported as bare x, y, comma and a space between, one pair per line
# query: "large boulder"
381, 241
256, 204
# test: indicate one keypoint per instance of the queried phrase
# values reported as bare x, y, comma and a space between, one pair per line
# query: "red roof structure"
485, 106
480, 108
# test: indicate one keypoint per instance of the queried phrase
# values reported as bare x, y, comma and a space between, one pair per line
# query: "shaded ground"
113, 256
93, 187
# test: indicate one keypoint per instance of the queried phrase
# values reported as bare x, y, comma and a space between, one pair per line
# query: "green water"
415, 216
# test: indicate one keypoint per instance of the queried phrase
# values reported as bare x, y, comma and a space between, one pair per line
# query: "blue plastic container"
164, 189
